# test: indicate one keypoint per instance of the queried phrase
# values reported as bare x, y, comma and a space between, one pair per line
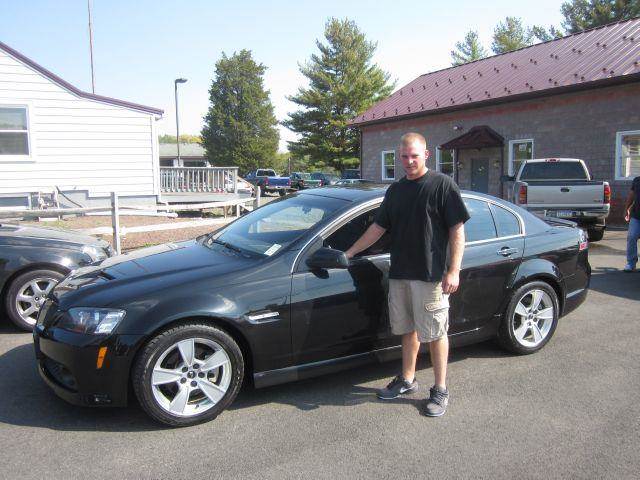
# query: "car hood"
48, 233
148, 269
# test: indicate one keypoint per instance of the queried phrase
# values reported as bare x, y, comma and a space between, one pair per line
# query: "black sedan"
34, 259
272, 297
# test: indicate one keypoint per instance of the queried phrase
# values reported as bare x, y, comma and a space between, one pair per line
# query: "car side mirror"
328, 258
507, 178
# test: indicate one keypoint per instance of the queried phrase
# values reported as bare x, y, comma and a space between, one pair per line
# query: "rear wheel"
530, 318
595, 234
27, 294
188, 374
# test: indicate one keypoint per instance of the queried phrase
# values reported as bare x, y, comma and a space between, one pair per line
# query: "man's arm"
368, 238
451, 279
627, 205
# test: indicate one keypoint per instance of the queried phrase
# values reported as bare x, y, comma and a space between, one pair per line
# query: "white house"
55, 137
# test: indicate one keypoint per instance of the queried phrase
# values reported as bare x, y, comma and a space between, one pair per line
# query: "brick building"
578, 96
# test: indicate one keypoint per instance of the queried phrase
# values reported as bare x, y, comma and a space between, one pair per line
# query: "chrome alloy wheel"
191, 376
31, 296
533, 318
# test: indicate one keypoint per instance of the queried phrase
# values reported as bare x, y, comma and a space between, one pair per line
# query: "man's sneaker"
629, 268
398, 386
437, 402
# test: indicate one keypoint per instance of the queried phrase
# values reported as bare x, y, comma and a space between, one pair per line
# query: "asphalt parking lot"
570, 411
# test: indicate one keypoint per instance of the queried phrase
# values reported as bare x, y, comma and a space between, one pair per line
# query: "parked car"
272, 297
301, 180
268, 181
325, 178
563, 188
33, 260
350, 173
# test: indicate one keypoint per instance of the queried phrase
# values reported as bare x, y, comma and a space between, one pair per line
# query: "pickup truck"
562, 188
268, 181
301, 180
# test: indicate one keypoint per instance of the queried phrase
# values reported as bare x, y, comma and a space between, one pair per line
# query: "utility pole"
93, 80
175, 83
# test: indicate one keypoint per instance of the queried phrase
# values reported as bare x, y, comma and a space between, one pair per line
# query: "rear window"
553, 171
266, 173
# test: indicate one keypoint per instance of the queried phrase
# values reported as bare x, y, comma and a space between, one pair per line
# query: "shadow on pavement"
27, 401
342, 389
615, 282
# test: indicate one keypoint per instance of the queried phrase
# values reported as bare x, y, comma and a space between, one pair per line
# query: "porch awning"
481, 136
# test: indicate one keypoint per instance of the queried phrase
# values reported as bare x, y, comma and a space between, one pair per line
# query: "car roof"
358, 192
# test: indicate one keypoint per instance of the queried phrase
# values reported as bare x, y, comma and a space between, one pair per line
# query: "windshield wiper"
227, 245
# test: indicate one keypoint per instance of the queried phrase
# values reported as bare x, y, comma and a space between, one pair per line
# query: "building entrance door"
480, 175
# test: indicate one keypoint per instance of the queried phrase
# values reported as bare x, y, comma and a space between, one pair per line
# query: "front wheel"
188, 374
26, 295
530, 318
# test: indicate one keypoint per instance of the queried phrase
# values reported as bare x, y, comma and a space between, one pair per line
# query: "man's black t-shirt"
418, 214
635, 209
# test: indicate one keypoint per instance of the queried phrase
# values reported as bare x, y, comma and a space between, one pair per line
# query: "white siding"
76, 143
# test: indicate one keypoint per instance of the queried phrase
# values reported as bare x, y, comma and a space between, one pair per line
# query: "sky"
141, 46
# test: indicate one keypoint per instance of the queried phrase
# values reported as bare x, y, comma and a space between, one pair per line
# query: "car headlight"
91, 320
95, 253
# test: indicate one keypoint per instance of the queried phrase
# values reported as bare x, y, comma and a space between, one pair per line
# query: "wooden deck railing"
199, 179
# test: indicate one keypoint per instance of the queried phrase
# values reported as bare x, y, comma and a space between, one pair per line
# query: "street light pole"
175, 83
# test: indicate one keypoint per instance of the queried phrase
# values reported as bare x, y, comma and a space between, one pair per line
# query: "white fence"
199, 179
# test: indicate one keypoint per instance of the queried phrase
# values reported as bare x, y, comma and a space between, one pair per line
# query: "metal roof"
605, 55
76, 91
186, 150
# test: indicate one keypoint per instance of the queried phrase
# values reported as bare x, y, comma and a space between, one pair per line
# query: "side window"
480, 226
347, 234
506, 222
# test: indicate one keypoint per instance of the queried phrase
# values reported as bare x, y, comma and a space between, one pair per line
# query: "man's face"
414, 157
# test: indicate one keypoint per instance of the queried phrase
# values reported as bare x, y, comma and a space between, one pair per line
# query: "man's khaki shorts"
420, 306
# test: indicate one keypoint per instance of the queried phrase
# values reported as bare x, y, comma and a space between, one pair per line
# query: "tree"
240, 126
583, 14
469, 50
543, 35
510, 35
342, 84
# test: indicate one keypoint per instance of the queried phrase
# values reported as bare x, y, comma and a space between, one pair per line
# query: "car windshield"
304, 176
275, 226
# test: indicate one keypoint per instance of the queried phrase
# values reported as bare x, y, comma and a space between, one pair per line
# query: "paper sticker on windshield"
272, 249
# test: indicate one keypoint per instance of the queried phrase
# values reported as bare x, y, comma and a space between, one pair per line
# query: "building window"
389, 165
519, 150
14, 131
445, 161
627, 155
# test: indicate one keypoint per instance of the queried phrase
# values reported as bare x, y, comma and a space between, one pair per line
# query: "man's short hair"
412, 137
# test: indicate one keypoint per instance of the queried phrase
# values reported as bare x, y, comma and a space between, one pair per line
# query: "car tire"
282, 193
177, 393
595, 234
27, 293
527, 326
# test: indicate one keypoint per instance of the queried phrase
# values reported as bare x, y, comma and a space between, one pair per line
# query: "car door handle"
506, 251
565, 189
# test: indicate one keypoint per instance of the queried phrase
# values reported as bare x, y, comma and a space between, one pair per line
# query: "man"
424, 213
632, 215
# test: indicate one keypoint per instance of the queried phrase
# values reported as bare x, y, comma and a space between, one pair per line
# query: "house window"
14, 131
627, 155
519, 150
389, 165
445, 161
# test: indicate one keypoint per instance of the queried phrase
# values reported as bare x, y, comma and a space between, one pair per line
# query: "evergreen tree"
240, 126
510, 35
543, 35
583, 14
342, 84
468, 50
